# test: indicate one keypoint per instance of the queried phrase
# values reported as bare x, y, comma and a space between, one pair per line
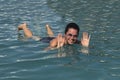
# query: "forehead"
72, 30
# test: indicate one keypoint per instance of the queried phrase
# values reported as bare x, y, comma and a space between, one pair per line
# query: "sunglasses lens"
69, 34
72, 35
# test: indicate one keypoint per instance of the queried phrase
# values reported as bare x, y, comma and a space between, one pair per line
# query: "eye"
75, 35
70, 35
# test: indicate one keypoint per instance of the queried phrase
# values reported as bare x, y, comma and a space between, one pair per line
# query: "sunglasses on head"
72, 35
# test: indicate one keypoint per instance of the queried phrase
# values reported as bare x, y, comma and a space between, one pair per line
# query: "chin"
70, 43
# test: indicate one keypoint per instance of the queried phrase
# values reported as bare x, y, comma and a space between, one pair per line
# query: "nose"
72, 38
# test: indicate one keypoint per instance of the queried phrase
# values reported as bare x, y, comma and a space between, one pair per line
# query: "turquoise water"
26, 60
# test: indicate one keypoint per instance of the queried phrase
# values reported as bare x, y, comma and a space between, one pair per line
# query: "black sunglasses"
72, 35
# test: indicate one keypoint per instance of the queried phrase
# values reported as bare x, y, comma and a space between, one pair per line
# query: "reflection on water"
68, 50
65, 51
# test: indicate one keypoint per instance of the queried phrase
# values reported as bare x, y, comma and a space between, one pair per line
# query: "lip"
70, 42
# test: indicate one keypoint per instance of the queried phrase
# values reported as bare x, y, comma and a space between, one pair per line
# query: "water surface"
26, 60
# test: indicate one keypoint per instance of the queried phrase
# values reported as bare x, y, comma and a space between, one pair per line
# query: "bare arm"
52, 45
56, 43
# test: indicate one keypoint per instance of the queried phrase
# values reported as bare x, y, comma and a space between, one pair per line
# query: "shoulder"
53, 42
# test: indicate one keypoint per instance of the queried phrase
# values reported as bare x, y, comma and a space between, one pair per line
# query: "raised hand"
85, 39
61, 40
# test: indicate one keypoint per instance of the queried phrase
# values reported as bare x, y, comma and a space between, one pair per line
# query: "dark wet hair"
72, 25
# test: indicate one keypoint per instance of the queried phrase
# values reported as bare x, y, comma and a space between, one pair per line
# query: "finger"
59, 37
63, 41
89, 37
58, 42
81, 41
85, 35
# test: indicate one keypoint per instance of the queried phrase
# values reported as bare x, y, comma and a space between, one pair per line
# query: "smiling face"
71, 36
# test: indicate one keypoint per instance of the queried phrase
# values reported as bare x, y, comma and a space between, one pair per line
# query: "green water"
26, 60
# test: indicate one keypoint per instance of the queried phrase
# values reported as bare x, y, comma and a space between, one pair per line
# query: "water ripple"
27, 60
